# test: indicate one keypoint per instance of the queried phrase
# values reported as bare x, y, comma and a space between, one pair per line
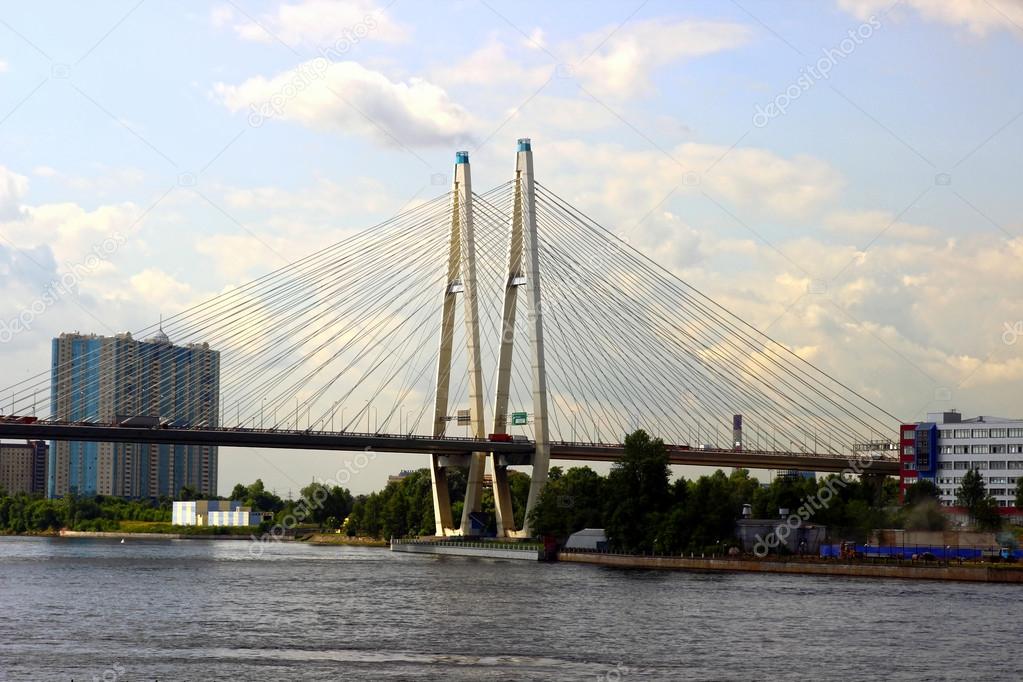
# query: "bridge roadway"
512, 453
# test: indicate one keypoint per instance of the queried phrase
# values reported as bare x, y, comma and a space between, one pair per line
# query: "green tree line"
643, 510
27, 514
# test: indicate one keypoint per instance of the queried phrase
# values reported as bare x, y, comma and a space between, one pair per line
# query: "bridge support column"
523, 270
541, 429
461, 279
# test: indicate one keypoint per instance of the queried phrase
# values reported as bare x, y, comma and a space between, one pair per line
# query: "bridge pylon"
523, 271
461, 279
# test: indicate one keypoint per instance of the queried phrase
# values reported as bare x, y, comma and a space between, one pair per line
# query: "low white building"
213, 513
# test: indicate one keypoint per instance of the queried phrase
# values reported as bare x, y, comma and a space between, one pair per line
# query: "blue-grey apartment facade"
107, 379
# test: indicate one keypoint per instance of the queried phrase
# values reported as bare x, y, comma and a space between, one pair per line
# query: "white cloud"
980, 17
12, 189
491, 66
618, 179
221, 15
904, 318
536, 40
323, 23
70, 231
160, 290
860, 224
622, 64
617, 62
346, 96
4, 66
326, 198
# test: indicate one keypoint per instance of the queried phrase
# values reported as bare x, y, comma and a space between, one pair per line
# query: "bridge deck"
516, 451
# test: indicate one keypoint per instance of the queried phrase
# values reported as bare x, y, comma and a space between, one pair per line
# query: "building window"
962, 465
980, 433
909, 466
1016, 448
994, 481
978, 464
945, 450
960, 449
998, 433
908, 435
909, 450
945, 465
1015, 433
1014, 465
997, 449
997, 491
979, 450
962, 433
993, 464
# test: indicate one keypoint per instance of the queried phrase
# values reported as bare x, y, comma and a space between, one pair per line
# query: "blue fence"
907, 551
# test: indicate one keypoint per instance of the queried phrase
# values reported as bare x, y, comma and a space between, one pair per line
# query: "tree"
986, 515
1019, 493
320, 504
257, 497
923, 489
571, 501
924, 515
973, 496
638, 494
189, 492
971, 491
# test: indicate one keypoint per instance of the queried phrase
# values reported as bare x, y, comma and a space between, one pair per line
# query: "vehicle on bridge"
16, 419
507, 438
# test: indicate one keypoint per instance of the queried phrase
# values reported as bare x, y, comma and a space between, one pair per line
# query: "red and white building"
946, 446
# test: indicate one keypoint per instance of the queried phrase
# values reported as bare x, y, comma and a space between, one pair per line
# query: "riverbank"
484, 549
121, 535
955, 572
341, 539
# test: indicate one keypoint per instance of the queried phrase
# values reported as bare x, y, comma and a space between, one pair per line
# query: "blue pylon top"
461, 157
524, 145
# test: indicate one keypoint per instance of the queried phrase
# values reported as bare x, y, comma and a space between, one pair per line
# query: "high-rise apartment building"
108, 379
23, 468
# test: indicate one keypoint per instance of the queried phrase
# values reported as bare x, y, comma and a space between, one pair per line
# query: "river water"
80, 609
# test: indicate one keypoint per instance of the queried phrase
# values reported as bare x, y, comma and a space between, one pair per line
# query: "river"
84, 609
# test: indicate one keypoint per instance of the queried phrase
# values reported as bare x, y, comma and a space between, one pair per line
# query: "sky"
843, 175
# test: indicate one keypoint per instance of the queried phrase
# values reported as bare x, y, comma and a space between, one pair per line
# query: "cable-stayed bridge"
487, 330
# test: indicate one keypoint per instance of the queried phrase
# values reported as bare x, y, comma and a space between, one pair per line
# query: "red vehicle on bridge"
16, 419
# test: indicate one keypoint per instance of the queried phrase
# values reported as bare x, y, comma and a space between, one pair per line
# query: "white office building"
946, 446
